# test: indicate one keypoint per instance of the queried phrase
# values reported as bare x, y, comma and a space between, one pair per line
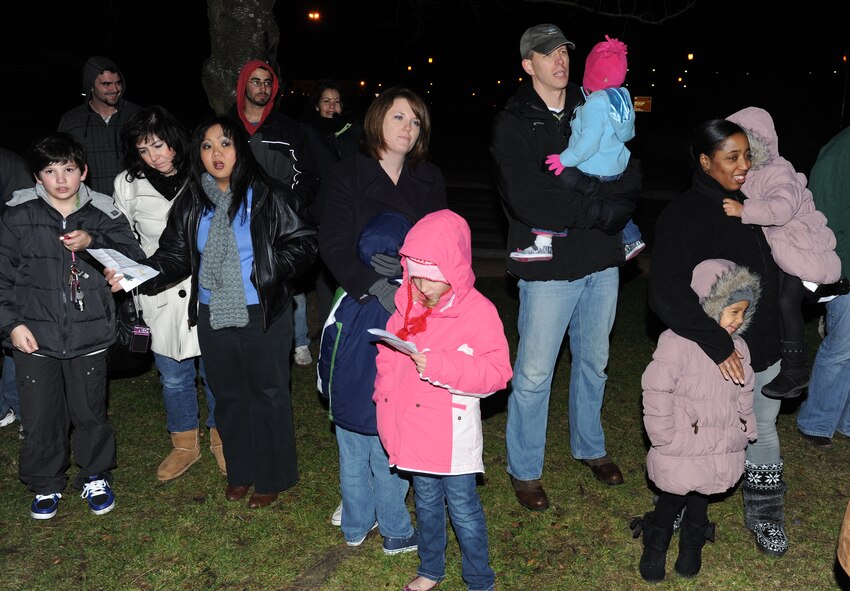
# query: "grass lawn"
183, 535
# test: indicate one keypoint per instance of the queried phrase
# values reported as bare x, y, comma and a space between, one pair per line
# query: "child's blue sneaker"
399, 545
99, 495
45, 506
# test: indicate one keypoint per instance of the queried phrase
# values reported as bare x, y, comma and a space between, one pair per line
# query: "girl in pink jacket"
698, 422
800, 241
429, 418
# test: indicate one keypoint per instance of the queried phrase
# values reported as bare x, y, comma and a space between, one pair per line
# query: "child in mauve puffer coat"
699, 423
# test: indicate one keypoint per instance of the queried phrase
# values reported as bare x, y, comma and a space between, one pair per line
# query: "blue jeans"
765, 450
631, 233
546, 309
827, 406
180, 394
9, 397
433, 494
299, 319
370, 490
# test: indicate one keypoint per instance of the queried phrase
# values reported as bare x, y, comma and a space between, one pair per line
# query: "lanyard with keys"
74, 282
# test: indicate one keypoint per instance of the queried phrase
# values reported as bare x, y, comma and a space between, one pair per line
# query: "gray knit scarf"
221, 271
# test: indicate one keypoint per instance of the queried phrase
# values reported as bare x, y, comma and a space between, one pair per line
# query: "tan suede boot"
185, 453
217, 450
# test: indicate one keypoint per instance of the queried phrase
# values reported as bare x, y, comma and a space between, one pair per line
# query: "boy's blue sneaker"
399, 545
45, 506
99, 495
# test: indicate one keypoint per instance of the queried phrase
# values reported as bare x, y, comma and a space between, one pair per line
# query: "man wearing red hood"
277, 140
279, 144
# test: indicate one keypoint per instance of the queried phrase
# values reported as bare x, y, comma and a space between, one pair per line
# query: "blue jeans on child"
631, 233
432, 495
9, 397
180, 394
370, 490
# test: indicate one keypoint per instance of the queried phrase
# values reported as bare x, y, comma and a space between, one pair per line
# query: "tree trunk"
240, 30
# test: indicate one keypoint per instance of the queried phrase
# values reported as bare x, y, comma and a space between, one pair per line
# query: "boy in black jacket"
58, 315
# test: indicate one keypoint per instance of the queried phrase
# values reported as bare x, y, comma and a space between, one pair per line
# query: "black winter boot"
764, 514
793, 374
692, 538
656, 541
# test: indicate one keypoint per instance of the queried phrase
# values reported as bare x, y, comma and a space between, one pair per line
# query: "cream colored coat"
167, 312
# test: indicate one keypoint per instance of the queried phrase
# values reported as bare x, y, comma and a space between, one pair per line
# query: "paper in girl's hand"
393, 341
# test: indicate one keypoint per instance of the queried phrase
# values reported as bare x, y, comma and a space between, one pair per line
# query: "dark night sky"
740, 60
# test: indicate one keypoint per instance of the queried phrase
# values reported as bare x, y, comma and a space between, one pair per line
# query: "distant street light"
690, 57
314, 16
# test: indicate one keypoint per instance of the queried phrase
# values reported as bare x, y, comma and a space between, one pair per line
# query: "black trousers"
248, 370
55, 394
791, 295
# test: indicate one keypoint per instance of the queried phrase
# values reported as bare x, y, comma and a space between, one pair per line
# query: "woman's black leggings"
791, 294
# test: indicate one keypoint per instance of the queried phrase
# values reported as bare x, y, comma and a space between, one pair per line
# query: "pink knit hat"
606, 65
425, 270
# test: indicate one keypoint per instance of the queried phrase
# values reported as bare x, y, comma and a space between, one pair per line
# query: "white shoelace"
94, 488
50, 496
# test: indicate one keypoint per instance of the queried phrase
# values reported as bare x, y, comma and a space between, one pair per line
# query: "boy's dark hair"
55, 148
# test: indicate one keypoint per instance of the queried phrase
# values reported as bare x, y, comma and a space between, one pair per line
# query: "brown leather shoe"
605, 470
259, 500
235, 492
530, 494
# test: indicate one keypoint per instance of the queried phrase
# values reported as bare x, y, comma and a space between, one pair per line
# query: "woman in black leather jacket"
243, 238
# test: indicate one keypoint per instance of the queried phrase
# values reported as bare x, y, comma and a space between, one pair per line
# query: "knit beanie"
740, 294
93, 68
425, 270
606, 65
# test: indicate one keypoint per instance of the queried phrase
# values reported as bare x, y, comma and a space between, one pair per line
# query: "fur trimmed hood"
761, 133
719, 283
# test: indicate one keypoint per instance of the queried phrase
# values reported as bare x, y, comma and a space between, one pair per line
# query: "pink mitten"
554, 162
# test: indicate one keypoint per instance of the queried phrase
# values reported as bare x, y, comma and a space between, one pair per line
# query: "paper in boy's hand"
392, 340
134, 273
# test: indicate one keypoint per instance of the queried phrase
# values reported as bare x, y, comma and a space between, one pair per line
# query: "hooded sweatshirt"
277, 141
778, 200
600, 129
431, 422
699, 424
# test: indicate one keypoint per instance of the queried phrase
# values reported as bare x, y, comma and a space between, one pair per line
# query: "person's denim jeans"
588, 306
631, 233
432, 495
299, 319
827, 406
9, 397
370, 490
180, 394
765, 450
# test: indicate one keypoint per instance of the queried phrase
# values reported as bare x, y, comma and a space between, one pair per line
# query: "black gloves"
385, 292
386, 265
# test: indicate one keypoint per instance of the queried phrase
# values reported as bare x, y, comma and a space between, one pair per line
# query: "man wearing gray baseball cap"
577, 289
543, 39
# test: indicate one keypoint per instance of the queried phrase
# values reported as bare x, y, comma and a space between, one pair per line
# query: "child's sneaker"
533, 253
399, 545
8, 419
45, 506
99, 495
633, 249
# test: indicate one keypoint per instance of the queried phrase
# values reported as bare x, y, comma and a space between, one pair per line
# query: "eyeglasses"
268, 83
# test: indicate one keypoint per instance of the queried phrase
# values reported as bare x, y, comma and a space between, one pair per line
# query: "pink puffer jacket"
699, 424
779, 201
